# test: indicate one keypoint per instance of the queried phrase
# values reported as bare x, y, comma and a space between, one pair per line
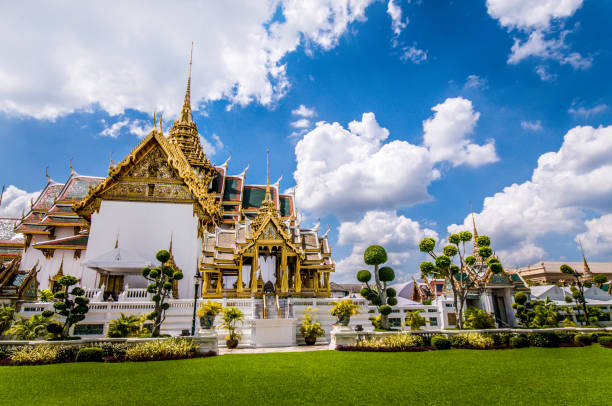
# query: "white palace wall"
143, 229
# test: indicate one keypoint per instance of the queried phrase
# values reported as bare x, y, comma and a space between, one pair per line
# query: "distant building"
547, 272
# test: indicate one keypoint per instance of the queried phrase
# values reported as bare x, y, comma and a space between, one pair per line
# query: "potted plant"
343, 310
231, 316
310, 328
208, 312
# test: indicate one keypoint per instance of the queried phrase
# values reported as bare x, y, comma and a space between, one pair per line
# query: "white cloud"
562, 186
535, 18
395, 12
531, 125
398, 234
301, 123
139, 128
475, 82
304, 111
446, 134
135, 56
597, 239
413, 54
349, 171
544, 74
588, 112
136, 127
530, 14
15, 201
211, 147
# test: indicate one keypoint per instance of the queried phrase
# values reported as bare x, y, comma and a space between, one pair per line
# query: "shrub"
66, 353
34, 355
501, 338
30, 329
604, 340
7, 315
563, 337
440, 342
397, 341
90, 354
519, 341
476, 318
584, 339
172, 348
116, 351
480, 341
459, 340
414, 320
544, 339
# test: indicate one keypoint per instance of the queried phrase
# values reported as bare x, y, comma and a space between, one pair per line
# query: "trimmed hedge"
605, 340
544, 339
584, 339
519, 341
441, 342
90, 354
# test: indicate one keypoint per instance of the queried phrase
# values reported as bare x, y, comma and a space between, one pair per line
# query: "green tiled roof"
232, 190
285, 206
252, 197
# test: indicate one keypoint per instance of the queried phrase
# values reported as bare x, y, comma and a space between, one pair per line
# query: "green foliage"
443, 262
124, 326
427, 268
519, 341
170, 348
465, 236
231, 317
520, 297
544, 339
485, 252
116, 351
90, 354
483, 241
386, 274
566, 269
385, 310
481, 341
501, 338
440, 342
584, 339
470, 260
345, 307
454, 239
66, 353
364, 276
160, 286
391, 292
68, 280
427, 245
459, 340
477, 319
34, 328
414, 320
210, 308
310, 327
396, 341
7, 315
375, 255
34, 355
72, 309
563, 337
604, 339
587, 284
376, 322
45, 295
392, 301
450, 250
599, 279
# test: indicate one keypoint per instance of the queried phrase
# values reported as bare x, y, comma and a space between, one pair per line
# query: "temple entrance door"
499, 307
114, 287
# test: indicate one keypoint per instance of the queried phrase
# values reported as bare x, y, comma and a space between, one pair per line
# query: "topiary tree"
577, 293
378, 294
460, 277
599, 279
72, 309
161, 280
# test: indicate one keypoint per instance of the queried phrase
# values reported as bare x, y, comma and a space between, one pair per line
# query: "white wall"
145, 228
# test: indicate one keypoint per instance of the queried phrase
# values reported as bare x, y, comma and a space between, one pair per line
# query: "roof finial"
473, 222
154, 122
47, 173
117, 240
170, 247
161, 130
70, 166
586, 265
268, 196
186, 115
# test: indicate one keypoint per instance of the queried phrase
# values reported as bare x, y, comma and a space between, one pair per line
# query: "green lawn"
559, 376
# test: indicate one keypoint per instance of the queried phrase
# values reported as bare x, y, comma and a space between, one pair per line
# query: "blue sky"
520, 126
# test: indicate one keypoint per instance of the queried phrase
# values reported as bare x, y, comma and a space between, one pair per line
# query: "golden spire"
72, 172
475, 235
587, 270
268, 195
170, 247
154, 123
161, 130
117, 240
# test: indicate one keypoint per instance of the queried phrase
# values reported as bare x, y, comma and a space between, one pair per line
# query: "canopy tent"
118, 261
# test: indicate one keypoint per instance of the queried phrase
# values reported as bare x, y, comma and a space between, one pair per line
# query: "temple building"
242, 239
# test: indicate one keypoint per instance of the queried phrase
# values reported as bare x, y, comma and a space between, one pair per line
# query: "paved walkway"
301, 348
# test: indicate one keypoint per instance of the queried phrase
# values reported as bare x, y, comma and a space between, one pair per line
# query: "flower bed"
150, 350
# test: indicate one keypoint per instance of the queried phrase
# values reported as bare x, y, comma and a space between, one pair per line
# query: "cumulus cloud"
446, 134
562, 186
304, 111
597, 238
535, 35
397, 22
136, 127
531, 125
398, 234
544, 74
587, 112
15, 201
135, 56
301, 123
347, 171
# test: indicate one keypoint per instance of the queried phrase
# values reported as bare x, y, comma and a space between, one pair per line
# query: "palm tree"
7, 315
30, 329
124, 326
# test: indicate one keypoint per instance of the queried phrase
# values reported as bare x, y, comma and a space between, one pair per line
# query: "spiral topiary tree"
160, 286
72, 309
378, 295
461, 277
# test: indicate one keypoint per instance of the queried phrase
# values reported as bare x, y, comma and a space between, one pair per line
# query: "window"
433, 321
88, 329
395, 322
432, 310
150, 190
452, 319
449, 305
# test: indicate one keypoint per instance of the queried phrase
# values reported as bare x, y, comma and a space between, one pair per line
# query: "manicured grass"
558, 376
